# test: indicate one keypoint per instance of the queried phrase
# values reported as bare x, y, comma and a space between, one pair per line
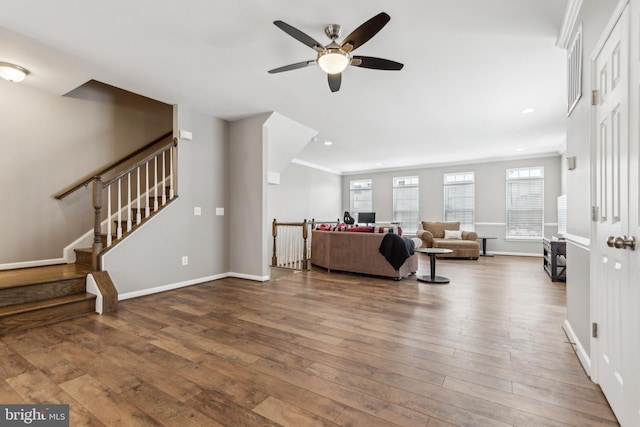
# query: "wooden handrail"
112, 166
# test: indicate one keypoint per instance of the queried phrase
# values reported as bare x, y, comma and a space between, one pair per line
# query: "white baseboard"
92, 288
248, 277
163, 288
169, 287
584, 358
37, 263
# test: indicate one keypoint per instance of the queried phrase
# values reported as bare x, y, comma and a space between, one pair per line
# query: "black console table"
555, 259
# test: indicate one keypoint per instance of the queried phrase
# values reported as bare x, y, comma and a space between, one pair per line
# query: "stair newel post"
97, 228
304, 245
274, 233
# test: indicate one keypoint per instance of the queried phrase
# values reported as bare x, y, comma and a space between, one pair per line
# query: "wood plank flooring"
319, 349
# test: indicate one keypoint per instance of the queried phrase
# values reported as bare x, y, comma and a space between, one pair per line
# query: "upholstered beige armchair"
448, 235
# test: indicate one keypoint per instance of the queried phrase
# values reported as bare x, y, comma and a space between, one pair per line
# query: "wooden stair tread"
37, 305
38, 275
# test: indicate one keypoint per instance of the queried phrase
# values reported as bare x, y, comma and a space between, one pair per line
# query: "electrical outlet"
185, 260
197, 211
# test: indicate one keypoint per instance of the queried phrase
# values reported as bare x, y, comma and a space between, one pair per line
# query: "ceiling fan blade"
364, 32
334, 81
375, 63
300, 36
290, 67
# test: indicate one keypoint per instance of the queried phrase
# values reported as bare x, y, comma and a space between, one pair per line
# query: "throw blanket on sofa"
396, 249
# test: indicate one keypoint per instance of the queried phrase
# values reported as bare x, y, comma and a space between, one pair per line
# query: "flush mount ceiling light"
12, 72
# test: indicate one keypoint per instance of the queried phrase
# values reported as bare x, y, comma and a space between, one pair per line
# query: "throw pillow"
360, 229
453, 234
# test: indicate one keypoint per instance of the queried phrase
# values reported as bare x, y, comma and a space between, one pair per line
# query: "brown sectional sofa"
432, 235
356, 253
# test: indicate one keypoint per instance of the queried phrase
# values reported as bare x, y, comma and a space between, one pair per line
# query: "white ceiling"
470, 68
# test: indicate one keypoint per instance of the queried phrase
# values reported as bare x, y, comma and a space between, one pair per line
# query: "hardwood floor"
319, 349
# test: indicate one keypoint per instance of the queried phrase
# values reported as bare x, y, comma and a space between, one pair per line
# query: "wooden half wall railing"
292, 244
133, 188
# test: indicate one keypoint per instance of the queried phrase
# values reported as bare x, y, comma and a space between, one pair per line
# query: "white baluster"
155, 183
119, 227
109, 234
164, 180
139, 211
147, 211
171, 192
289, 246
298, 247
129, 224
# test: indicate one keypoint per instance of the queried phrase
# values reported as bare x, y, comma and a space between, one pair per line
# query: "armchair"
448, 235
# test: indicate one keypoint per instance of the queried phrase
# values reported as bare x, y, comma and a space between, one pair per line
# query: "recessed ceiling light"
328, 143
520, 150
378, 164
528, 111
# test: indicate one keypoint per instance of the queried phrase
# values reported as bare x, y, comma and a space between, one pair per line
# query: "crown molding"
568, 23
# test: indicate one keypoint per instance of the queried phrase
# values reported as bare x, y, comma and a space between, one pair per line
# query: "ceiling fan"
334, 58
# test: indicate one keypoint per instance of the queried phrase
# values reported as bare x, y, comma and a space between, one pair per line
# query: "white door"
616, 293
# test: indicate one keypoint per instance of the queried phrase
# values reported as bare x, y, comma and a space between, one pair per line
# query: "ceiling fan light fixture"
12, 72
333, 61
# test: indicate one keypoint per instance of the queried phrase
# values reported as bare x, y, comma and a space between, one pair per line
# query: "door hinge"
594, 330
594, 97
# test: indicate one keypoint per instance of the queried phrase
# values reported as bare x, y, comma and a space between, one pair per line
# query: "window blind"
525, 203
361, 192
459, 199
405, 201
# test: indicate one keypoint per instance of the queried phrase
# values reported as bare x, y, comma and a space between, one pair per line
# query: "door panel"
617, 280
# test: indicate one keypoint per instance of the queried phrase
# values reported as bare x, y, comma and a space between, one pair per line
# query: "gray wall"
151, 258
490, 197
49, 142
594, 16
306, 193
248, 222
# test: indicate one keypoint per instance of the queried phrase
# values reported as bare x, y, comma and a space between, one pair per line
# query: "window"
525, 202
361, 192
405, 201
459, 199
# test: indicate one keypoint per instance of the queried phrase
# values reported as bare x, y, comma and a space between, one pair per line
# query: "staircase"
132, 190
37, 296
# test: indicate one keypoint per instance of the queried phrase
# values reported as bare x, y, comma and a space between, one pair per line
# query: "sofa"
449, 236
356, 252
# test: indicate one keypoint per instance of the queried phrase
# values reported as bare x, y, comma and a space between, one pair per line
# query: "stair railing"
292, 244
146, 181
146, 195
290, 247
